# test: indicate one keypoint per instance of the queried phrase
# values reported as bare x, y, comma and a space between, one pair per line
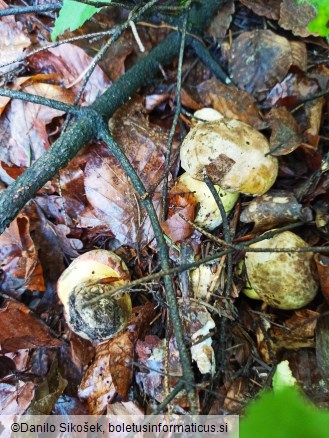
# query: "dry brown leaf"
313, 112
285, 136
19, 258
71, 63
13, 40
221, 22
111, 373
322, 264
231, 102
265, 8
121, 409
260, 58
297, 16
20, 329
109, 190
23, 129
15, 399
275, 208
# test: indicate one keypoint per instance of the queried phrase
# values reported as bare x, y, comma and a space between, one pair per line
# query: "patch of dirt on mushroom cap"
282, 280
232, 153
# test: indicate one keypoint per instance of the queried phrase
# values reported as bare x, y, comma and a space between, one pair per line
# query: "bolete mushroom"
85, 289
208, 214
284, 280
232, 154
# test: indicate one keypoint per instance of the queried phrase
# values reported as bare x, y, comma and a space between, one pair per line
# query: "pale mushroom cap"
208, 215
232, 154
91, 267
207, 115
282, 280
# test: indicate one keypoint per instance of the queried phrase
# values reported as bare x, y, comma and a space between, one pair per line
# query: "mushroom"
85, 289
232, 154
284, 280
208, 214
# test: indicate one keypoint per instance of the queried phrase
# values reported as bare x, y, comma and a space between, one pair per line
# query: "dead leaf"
322, 264
121, 409
24, 136
296, 17
108, 188
111, 373
15, 399
19, 258
20, 329
13, 41
276, 207
260, 58
285, 136
221, 22
313, 112
231, 102
264, 8
71, 63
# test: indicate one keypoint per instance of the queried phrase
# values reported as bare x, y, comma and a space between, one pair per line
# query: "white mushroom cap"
232, 154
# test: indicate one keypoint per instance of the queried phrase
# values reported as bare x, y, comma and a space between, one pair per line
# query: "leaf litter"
93, 203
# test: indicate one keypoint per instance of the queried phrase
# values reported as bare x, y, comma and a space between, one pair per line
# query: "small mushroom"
85, 289
284, 280
208, 214
233, 154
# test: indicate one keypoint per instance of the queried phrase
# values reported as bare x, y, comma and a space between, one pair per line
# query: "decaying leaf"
297, 17
221, 22
19, 258
231, 102
322, 345
265, 8
20, 329
15, 399
71, 63
110, 373
322, 264
285, 136
13, 40
275, 208
259, 59
24, 136
110, 191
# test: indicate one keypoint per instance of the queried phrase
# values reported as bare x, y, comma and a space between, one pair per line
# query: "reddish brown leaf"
259, 59
24, 135
275, 208
109, 190
221, 22
265, 8
297, 16
19, 257
285, 136
71, 63
20, 329
231, 102
13, 40
15, 399
322, 264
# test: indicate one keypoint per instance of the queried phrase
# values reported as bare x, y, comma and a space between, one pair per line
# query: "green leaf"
284, 414
72, 16
320, 23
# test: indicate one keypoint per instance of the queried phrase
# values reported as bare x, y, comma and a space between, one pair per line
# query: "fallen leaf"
230, 101
276, 207
297, 16
13, 40
20, 329
15, 399
19, 258
322, 264
313, 112
23, 129
285, 135
259, 59
71, 63
221, 22
121, 409
265, 8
